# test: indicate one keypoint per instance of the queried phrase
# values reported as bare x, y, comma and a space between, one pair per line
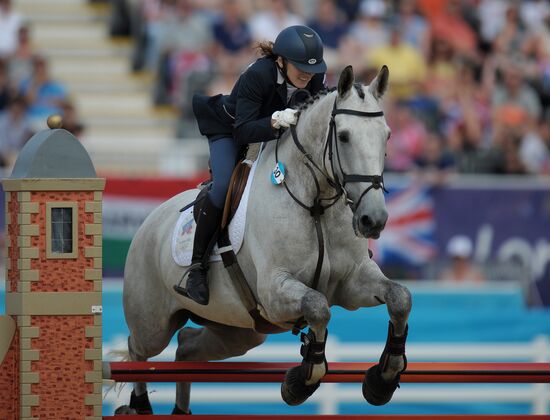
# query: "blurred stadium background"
468, 165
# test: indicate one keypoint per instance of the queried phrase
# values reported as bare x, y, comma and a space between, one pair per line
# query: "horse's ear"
346, 81
379, 85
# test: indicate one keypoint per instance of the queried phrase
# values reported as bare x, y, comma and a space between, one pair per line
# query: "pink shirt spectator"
406, 142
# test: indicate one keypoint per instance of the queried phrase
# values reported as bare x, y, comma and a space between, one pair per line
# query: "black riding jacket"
245, 114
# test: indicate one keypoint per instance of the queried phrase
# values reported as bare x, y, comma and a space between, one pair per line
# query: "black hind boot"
206, 234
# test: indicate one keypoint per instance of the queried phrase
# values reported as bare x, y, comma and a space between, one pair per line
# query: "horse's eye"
343, 137
389, 136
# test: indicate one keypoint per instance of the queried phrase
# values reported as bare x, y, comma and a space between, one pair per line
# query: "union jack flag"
409, 236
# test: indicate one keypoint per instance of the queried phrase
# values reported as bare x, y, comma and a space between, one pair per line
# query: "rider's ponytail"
265, 49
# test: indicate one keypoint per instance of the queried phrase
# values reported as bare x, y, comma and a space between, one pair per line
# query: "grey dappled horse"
341, 174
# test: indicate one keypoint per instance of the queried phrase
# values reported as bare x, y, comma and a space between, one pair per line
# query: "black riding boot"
208, 222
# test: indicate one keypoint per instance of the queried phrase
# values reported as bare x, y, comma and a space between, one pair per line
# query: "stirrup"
178, 287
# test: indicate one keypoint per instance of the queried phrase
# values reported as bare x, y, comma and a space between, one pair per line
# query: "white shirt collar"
280, 77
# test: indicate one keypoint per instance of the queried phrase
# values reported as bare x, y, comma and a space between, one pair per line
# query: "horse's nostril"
366, 221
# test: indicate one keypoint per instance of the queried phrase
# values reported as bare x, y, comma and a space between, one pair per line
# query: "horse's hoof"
141, 403
124, 409
377, 391
294, 389
178, 410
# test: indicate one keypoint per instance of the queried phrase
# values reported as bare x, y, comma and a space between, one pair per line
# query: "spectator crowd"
469, 79
28, 93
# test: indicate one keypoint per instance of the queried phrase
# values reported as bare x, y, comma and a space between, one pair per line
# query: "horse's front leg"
288, 299
367, 287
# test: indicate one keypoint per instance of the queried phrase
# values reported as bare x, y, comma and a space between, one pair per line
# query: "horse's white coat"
279, 253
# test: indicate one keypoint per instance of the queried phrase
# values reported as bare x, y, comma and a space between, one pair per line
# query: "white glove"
285, 118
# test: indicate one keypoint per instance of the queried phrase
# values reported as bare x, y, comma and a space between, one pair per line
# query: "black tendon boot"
208, 222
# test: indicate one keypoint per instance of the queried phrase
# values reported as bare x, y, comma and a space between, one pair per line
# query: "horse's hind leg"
213, 342
147, 340
369, 287
139, 400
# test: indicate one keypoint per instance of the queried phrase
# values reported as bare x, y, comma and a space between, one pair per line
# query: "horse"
332, 201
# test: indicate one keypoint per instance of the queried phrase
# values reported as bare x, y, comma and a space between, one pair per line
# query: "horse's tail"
122, 356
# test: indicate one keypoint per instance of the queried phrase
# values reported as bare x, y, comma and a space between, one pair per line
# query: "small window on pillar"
61, 230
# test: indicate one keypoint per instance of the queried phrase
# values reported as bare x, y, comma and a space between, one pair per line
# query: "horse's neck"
275, 203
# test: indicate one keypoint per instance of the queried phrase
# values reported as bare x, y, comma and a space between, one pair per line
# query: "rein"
317, 209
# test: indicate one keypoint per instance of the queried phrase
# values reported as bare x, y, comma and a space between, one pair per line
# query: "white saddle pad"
182, 238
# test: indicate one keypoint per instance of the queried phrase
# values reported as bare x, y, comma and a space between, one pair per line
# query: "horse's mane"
302, 106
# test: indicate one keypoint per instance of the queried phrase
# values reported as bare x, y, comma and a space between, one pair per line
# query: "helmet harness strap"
284, 70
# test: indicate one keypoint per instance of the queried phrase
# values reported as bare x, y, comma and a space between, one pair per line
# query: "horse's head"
359, 148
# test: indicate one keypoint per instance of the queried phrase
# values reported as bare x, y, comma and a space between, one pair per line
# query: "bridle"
376, 181
331, 146
334, 181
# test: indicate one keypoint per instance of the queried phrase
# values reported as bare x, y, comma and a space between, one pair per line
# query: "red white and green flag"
126, 204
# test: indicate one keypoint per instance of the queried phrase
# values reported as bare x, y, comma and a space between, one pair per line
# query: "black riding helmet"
301, 46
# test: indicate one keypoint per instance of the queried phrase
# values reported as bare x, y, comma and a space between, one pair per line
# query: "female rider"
255, 111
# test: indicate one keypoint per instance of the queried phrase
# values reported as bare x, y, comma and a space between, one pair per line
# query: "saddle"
235, 192
237, 185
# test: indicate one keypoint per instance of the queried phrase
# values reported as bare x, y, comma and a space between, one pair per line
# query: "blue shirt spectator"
230, 30
44, 95
331, 36
328, 24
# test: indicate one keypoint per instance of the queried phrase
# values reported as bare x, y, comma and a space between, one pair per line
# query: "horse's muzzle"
368, 227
